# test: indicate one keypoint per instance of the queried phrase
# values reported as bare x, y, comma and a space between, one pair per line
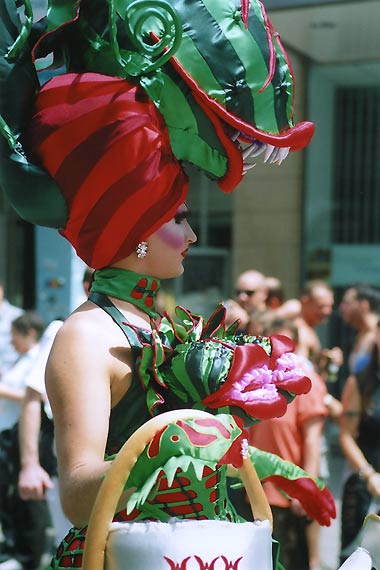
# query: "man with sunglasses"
251, 291
250, 294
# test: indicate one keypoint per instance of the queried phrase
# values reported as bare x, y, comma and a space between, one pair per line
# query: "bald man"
250, 296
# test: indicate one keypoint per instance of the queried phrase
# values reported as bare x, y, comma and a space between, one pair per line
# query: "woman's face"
168, 246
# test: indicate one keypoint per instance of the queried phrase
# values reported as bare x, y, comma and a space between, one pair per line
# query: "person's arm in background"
34, 481
312, 455
312, 431
11, 393
312, 442
349, 424
234, 312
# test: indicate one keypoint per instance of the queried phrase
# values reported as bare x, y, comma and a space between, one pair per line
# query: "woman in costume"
115, 153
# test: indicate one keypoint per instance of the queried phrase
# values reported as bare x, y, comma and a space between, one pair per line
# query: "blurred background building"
316, 216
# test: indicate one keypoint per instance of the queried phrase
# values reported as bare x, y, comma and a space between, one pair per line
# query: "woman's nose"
191, 235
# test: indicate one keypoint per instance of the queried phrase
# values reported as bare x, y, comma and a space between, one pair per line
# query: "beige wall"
267, 213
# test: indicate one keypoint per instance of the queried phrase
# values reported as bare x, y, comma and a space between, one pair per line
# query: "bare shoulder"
290, 309
308, 339
89, 328
89, 349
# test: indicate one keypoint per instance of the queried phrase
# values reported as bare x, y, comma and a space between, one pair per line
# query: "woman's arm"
349, 424
79, 375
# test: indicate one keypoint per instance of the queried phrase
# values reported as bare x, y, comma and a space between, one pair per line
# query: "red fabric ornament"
107, 147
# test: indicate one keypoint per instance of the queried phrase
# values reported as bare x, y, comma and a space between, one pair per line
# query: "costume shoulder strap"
104, 303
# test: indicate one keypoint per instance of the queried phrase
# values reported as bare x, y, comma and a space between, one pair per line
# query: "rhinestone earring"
142, 249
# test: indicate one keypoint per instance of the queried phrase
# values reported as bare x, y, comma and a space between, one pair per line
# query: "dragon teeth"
272, 154
268, 151
247, 167
282, 154
249, 150
260, 149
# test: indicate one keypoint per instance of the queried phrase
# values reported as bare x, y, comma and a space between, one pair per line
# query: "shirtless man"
317, 300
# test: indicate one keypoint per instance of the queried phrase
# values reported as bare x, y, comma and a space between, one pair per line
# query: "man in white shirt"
26, 331
34, 482
23, 526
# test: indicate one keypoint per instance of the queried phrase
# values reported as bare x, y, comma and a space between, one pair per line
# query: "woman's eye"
178, 218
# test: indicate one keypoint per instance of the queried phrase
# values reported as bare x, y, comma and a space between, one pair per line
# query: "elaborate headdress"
204, 78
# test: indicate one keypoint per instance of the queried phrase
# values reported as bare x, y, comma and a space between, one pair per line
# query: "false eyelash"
181, 216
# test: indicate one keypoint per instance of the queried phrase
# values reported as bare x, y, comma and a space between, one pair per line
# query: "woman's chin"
167, 273
178, 271
175, 273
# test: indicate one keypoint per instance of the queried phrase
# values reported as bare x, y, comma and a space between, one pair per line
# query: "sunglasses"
248, 292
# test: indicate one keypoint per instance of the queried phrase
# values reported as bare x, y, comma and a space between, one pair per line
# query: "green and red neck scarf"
135, 288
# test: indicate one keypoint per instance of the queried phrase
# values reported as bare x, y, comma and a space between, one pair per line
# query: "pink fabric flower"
256, 381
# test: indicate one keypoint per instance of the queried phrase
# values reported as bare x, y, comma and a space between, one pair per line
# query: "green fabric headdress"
173, 48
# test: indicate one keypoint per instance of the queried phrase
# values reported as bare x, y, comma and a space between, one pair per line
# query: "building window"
356, 187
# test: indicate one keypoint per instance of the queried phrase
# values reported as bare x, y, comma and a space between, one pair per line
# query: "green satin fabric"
139, 290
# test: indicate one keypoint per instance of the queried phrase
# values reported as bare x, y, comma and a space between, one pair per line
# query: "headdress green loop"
136, 17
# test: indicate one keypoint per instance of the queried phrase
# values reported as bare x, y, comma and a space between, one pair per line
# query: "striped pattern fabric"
241, 72
106, 145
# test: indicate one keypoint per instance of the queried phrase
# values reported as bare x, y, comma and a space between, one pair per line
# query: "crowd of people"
31, 518
261, 306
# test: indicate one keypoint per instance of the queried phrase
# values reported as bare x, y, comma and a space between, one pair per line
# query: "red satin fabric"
106, 145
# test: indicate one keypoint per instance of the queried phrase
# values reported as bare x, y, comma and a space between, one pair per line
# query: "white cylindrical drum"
189, 545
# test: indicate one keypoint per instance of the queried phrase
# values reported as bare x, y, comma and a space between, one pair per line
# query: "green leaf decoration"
215, 324
184, 361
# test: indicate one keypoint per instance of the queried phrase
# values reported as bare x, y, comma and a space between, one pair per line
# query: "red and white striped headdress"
107, 147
